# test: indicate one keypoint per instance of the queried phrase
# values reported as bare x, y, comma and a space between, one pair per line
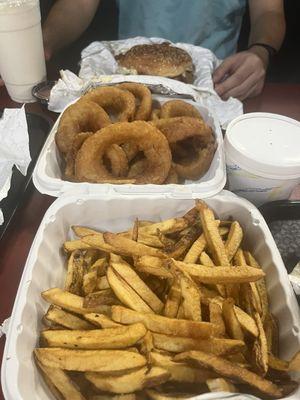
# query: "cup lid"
265, 143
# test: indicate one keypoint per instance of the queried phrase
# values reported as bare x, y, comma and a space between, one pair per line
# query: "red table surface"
14, 247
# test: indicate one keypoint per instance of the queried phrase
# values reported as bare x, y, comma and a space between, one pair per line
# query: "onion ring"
119, 102
138, 168
71, 155
179, 108
89, 164
192, 145
118, 161
143, 97
196, 168
172, 177
155, 115
179, 128
79, 117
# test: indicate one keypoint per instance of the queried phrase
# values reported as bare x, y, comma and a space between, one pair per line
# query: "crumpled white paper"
294, 277
14, 147
98, 66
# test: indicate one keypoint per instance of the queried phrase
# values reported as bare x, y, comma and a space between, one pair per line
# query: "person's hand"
1, 82
242, 75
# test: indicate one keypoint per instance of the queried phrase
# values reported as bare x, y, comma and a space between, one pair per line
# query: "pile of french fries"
165, 310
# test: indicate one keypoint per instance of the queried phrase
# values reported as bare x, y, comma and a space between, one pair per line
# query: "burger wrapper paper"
98, 66
14, 148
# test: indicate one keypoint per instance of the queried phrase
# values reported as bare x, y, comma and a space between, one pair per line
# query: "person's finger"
256, 90
223, 70
1, 82
240, 90
234, 80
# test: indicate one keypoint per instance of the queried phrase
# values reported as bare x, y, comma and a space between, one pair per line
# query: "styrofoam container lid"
265, 144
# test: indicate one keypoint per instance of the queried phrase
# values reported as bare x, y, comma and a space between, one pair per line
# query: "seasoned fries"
164, 310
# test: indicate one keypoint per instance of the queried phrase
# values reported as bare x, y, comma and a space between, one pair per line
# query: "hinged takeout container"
45, 269
47, 175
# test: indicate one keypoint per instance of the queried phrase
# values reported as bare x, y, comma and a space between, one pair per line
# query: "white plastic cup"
22, 60
263, 156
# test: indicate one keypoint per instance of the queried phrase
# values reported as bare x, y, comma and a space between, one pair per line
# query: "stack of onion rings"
104, 138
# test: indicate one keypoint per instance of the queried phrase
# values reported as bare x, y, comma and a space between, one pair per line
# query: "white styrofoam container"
47, 176
45, 268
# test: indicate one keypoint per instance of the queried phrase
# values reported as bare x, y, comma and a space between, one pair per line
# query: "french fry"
232, 324
127, 247
110, 338
173, 300
146, 344
102, 297
184, 243
105, 361
180, 372
73, 245
195, 250
137, 284
212, 345
206, 260
131, 382
260, 347
246, 321
221, 385
212, 235
155, 395
100, 266
159, 324
89, 282
102, 283
260, 284
180, 312
135, 230
61, 382
75, 272
81, 231
153, 266
222, 274
230, 370
277, 363
170, 225
70, 302
234, 239
125, 293
67, 320
130, 396
239, 258
272, 334
144, 238
294, 364
101, 320
97, 241
191, 298
216, 318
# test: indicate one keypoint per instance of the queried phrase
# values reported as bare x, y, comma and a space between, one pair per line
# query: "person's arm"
242, 75
66, 21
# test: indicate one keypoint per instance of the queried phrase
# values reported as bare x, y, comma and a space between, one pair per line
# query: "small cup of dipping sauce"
263, 156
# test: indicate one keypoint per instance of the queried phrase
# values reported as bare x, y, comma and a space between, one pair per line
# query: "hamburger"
158, 59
